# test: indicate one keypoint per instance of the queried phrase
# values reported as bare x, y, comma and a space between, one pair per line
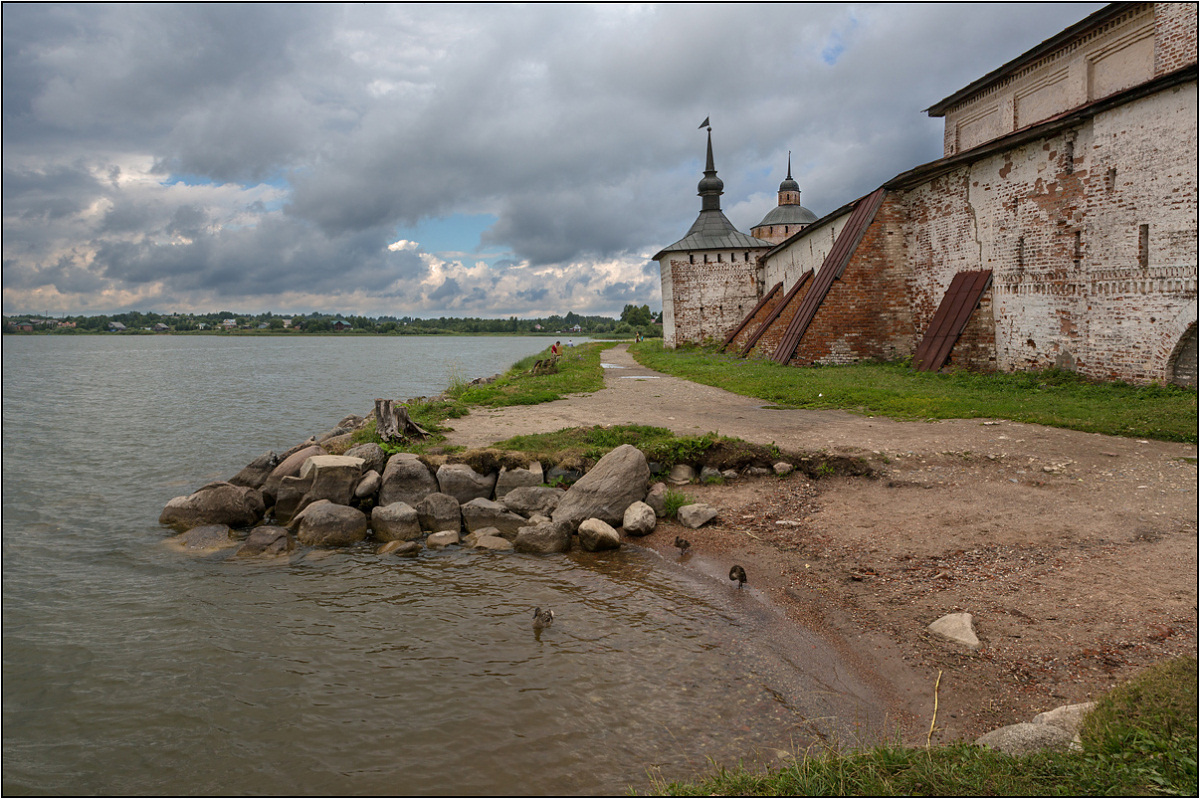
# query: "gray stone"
544, 538
617, 481
205, 539
464, 483
681, 474
374, 458
528, 500
442, 540
1025, 739
215, 503
289, 499
352, 422
369, 485
407, 549
957, 627
334, 477
657, 499
758, 471
396, 521
1068, 718
256, 472
696, 515
469, 539
266, 541
708, 473
596, 535
311, 442
730, 474
324, 524
480, 513
508, 479
406, 479
782, 468
493, 543
288, 467
439, 511
640, 519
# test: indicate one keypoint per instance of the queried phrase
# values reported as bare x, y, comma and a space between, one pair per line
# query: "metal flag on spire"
705, 124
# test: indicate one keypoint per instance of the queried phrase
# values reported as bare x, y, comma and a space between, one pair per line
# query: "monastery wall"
1174, 36
807, 252
1091, 236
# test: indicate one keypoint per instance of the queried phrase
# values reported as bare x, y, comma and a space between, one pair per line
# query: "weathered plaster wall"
1091, 236
806, 252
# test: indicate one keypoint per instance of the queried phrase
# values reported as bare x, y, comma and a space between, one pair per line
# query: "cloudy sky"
419, 160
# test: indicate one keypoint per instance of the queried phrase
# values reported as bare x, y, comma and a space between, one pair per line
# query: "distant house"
576, 329
537, 327
161, 328
287, 323
229, 324
264, 325
202, 326
25, 325
341, 324
116, 327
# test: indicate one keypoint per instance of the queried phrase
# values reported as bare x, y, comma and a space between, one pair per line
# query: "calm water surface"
130, 668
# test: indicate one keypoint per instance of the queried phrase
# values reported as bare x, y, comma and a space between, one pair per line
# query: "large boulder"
480, 513
290, 498
266, 541
464, 483
640, 519
288, 467
257, 471
543, 538
215, 503
596, 535
406, 479
528, 500
439, 512
324, 524
442, 540
617, 481
334, 477
508, 479
374, 458
396, 521
204, 539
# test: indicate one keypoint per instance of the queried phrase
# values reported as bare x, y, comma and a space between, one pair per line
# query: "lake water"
130, 668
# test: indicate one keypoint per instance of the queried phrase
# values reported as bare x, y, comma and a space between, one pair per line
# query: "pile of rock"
319, 499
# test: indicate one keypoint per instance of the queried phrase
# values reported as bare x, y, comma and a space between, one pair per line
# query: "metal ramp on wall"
948, 323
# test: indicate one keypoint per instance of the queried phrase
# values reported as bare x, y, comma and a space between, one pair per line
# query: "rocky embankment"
311, 497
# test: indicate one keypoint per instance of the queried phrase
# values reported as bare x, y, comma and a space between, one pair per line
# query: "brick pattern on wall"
710, 298
752, 325
1174, 36
768, 342
866, 314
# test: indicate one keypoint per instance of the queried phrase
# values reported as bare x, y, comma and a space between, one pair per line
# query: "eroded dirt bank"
1076, 553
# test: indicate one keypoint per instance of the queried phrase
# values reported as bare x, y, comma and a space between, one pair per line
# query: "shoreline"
1075, 552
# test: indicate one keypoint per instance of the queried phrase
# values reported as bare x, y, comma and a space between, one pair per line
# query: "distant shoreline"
354, 333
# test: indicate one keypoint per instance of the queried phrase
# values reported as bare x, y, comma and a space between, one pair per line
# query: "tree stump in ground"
392, 422
549, 366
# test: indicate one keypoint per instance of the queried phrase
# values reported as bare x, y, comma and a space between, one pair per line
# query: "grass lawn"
1139, 741
1051, 397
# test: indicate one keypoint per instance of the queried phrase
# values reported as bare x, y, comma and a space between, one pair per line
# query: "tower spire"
710, 187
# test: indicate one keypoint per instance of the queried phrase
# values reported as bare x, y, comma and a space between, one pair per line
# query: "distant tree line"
634, 319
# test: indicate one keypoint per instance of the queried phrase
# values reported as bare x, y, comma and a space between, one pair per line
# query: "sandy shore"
1075, 552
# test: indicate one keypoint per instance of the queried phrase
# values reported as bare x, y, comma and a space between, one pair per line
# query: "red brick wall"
866, 314
752, 326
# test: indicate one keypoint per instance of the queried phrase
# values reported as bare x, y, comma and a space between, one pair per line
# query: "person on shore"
570, 342
555, 349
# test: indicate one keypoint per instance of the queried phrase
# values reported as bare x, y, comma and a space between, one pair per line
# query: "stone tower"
787, 218
709, 277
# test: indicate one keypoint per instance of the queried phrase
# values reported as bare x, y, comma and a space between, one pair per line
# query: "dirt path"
1075, 552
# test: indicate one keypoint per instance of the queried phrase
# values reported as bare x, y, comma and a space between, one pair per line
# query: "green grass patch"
1050, 397
1140, 741
583, 446
674, 500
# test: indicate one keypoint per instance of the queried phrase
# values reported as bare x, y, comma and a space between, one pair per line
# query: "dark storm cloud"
306, 134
